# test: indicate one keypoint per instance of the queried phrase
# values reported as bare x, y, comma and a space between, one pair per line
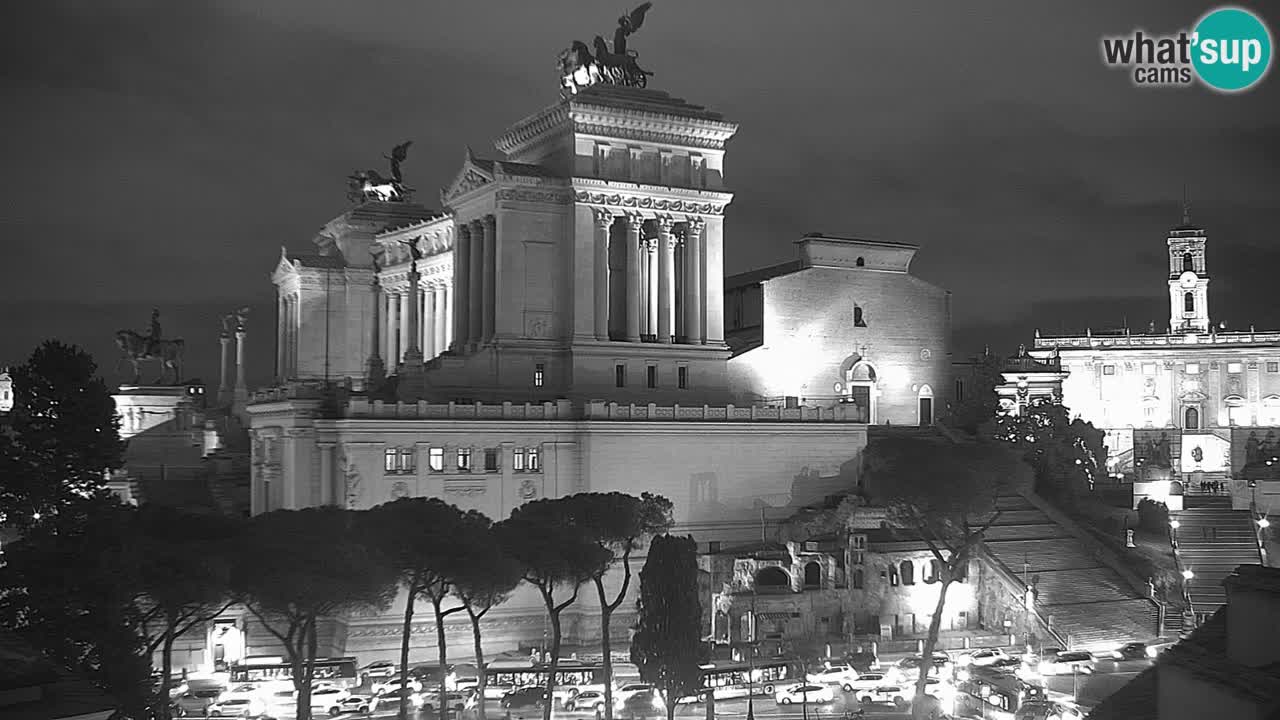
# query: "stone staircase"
1213, 540
1083, 599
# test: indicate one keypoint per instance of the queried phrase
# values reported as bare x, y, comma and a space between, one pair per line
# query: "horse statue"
135, 347
371, 185
617, 66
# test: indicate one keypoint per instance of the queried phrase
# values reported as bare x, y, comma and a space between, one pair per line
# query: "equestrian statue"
372, 185
579, 68
136, 347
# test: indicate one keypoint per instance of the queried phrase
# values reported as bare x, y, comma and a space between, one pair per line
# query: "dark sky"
162, 152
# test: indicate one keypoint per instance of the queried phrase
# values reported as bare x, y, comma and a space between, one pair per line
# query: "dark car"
524, 697
1133, 651
862, 661
642, 705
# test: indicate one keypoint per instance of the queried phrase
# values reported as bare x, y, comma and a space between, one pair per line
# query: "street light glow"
1264, 523
1187, 574
1175, 524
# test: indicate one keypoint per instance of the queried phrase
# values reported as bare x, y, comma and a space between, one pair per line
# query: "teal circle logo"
1231, 49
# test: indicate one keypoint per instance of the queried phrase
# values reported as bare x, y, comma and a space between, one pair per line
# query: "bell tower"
1188, 277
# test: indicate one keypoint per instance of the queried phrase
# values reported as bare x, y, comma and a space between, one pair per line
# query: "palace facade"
1193, 403
559, 326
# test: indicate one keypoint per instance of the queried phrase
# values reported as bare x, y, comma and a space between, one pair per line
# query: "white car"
625, 692
834, 675
328, 699
379, 670
393, 684
239, 692
359, 704
454, 699
983, 657
866, 681
587, 700
1067, 663
802, 693
901, 694
244, 707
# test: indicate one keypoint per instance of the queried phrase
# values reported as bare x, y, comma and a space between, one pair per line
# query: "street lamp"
1187, 574
751, 660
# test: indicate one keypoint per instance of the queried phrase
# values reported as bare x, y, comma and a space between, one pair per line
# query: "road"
1108, 676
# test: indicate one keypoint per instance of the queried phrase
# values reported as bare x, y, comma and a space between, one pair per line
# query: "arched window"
932, 577
860, 262
857, 579
1188, 262
893, 576
858, 320
1192, 417
812, 575
908, 573
772, 577
1189, 302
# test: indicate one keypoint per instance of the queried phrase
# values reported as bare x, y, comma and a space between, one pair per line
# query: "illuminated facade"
1210, 393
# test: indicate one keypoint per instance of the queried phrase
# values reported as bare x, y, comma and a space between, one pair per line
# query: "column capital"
490, 221
634, 221
695, 223
665, 224
604, 218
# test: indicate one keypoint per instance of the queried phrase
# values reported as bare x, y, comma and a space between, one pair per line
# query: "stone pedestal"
411, 383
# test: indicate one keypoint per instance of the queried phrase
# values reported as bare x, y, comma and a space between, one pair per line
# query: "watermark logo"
1229, 50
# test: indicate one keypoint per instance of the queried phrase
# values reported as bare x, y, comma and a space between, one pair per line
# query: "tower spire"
1186, 205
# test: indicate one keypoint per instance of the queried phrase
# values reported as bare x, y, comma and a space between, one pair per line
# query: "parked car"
244, 707
393, 684
453, 699
532, 696
1131, 651
378, 670
391, 700
865, 681
328, 699
358, 704
592, 700
901, 694
244, 690
834, 675
626, 691
1067, 663
194, 702
642, 705
802, 693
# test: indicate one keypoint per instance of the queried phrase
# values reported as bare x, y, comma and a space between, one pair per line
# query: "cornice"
658, 198
528, 194
531, 130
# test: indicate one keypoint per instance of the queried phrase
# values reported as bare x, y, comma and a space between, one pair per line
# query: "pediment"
284, 266
471, 176
1192, 396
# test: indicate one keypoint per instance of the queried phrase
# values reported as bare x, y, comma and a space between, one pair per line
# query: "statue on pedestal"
136, 347
367, 185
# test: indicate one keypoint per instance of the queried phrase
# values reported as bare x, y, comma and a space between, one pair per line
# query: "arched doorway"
812, 575
860, 379
1191, 418
772, 577
924, 406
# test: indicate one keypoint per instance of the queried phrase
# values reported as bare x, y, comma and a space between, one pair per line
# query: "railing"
1148, 340
363, 408
1013, 580
599, 410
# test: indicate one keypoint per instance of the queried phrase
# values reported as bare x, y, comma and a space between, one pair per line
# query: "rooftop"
642, 99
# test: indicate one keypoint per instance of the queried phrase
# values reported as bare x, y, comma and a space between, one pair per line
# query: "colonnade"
434, 321
475, 277
662, 279
289, 321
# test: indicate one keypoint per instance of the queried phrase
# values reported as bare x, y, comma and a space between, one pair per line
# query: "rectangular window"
1235, 367
620, 375
1273, 367
389, 460
959, 391
538, 373
651, 376
435, 459
464, 459
682, 377
1148, 368
406, 463
517, 460
1193, 368
491, 460
535, 464
1108, 369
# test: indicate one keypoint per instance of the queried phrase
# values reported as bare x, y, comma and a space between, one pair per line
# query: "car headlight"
1151, 652
657, 702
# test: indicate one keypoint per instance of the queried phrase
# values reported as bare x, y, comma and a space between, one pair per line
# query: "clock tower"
1188, 277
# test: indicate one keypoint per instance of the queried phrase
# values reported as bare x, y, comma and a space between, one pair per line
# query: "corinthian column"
282, 339
634, 292
461, 286
393, 329
489, 274
693, 281
375, 372
439, 319
651, 298
225, 340
666, 279
604, 221
475, 301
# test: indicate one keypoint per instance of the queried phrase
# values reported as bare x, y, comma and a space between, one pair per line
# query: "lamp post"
751, 661
1173, 531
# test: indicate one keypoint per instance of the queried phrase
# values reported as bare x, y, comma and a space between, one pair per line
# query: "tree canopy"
63, 435
667, 647
1068, 456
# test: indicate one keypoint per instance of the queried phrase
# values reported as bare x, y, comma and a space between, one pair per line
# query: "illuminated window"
1108, 369
1273, 367
1235, 367
1193, 368
464, 459
1188, 302
406, 463
533, 459
651, 376
435, 459
908, 573
517, 460
490, 460
620, 375
389, 460
682, 377
538, 372
1148, 368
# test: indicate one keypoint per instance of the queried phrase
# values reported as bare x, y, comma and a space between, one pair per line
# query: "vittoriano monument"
371, 185
136, 347
579, 68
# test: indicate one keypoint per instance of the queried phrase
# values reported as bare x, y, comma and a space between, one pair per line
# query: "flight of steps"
1083, 599
1213, 540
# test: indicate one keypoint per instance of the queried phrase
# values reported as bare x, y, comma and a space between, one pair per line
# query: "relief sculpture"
353, 481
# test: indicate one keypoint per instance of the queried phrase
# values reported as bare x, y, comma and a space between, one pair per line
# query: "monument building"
558, 325
1188, 403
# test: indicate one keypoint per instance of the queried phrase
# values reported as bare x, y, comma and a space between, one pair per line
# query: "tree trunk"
166, 667
312, 642
935, 624
443, 697
555, 657
302, 704
404, 650
475, 635
606, 648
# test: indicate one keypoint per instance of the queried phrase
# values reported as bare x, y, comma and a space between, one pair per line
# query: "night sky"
160, 153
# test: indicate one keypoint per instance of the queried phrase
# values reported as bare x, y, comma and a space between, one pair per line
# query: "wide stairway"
1085, 601
1213, 540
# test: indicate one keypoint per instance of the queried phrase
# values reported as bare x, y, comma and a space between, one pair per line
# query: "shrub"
1153, 516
